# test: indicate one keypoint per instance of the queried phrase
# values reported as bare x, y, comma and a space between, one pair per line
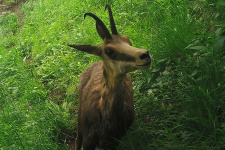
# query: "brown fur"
106, 108
100, 122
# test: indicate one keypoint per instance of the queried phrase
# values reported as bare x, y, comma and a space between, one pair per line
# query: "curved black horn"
101, 24
112, 23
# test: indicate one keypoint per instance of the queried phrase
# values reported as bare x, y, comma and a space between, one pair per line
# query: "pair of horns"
102, 25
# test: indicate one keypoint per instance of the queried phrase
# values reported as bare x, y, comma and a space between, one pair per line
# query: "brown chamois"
106, 108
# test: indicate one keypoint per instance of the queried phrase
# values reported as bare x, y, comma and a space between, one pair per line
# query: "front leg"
89, 143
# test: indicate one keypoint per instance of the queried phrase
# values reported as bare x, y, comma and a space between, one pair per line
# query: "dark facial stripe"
114, 55
122, 57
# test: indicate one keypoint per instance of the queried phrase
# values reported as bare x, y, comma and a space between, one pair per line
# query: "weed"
179, 101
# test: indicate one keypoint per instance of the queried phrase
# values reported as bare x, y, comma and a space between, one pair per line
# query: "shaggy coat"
106, 108
104, 113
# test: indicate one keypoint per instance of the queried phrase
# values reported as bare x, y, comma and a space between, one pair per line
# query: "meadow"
179, 101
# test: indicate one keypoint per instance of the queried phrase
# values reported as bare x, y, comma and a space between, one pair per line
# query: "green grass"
29, 120
179, 102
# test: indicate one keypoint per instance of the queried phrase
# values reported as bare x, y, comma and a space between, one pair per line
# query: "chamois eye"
109, 52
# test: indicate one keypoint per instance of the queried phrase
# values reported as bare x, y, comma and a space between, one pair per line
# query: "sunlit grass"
179, 102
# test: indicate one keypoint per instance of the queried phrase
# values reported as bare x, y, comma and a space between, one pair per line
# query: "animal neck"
113, 79
113, 92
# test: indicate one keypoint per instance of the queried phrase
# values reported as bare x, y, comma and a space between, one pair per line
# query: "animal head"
116, 51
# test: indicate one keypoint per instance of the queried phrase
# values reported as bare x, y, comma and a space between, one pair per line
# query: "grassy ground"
179, 102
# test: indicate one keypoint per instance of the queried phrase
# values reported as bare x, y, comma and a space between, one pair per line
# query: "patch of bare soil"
10, 6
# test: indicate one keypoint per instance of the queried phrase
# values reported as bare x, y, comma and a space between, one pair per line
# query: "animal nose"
145, 55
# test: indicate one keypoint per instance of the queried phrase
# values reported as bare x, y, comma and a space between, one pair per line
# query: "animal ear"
96, 50
100, 31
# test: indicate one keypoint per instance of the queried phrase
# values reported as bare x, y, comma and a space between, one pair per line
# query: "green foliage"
9, 24
179, 101
28, 119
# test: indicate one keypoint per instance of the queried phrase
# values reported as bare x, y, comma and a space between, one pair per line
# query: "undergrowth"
179, 102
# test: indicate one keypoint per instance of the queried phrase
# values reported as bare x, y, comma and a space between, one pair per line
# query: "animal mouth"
145, 65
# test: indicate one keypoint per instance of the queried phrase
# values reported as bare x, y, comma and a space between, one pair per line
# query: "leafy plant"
179, 102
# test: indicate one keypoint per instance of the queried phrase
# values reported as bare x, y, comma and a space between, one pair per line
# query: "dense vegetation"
179, 102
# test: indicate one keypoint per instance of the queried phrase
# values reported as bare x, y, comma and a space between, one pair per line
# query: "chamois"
106, 108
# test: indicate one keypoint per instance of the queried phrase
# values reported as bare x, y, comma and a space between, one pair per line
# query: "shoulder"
92, 75
96, 67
